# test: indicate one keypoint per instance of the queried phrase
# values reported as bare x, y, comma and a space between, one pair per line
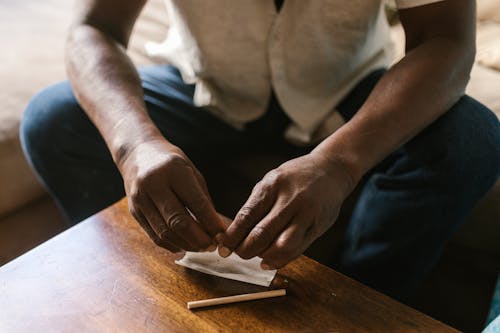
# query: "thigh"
413, 201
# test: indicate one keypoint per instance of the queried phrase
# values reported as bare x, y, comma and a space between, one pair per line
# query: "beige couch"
32, 33
32, 57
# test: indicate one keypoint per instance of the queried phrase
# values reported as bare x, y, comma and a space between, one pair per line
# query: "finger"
265, 232
141, 219
202, 182
192, 195
172, 237
158, 226
199, 177
226, 220
290, 244
178, 221
257, 206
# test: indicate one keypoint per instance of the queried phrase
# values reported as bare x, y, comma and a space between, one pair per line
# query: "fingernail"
211, 248
224, 252
266, 267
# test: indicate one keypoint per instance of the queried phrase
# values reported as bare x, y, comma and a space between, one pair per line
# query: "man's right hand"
167, 194
169, 198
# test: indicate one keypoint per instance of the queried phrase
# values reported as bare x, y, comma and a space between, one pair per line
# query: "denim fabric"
409, 204
495, 308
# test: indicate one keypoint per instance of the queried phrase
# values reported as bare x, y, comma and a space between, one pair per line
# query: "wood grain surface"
105, 275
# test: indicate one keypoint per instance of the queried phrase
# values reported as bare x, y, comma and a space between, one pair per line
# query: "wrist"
352, 148
339, 167
125, 140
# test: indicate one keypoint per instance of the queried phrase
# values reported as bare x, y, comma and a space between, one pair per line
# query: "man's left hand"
287, 210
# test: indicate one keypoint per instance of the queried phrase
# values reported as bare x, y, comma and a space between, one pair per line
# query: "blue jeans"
409, 205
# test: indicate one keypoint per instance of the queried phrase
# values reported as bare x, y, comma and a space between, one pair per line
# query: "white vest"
311, 53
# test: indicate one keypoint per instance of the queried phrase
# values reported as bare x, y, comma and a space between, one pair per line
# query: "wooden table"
104, 275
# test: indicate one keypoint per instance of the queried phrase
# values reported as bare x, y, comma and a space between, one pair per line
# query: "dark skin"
295, 203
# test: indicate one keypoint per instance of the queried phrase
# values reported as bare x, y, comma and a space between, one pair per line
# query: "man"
275, 76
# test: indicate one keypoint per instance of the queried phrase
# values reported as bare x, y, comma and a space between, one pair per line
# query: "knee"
467, 141
476, 131
46, 119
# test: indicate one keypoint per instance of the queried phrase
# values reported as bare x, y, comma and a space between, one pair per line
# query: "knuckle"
176, 159
259, 193
199, 204
245, 216
261, 235
260, 186
177, 222
151, 177
144, 178
284, 250
135, 197
272, 178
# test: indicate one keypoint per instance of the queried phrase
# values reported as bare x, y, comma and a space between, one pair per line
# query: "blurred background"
32, 34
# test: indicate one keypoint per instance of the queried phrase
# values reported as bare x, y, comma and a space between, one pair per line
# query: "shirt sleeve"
401, 4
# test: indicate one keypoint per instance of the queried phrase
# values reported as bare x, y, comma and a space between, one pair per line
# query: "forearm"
108, 88
409, 97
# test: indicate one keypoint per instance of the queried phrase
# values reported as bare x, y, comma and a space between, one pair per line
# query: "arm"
297, 202
440, 50
160, 180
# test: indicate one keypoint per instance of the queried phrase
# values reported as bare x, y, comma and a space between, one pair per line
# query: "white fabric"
311, 53
232, 267
488, 44
414, 3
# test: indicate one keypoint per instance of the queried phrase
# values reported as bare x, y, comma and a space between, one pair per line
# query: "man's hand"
169, 198
291, 207
167, 194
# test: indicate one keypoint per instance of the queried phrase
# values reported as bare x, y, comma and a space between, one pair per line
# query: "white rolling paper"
232, 267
